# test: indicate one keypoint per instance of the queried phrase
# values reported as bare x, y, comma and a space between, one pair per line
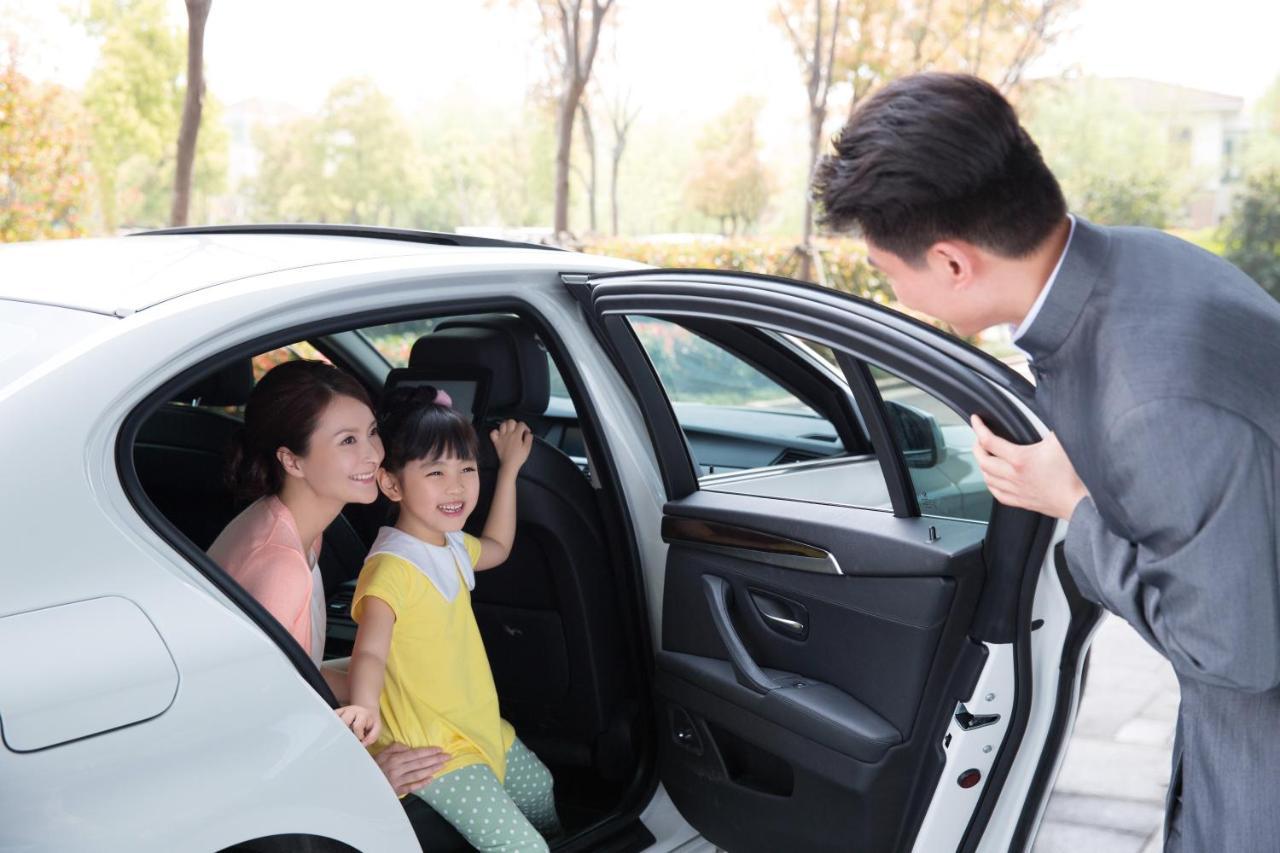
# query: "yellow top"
439, 689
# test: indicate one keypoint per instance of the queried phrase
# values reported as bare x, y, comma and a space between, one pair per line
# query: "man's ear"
290, 462
955, 261
389, 484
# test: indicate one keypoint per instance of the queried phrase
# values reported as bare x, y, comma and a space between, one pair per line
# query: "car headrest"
501, 347
229, 386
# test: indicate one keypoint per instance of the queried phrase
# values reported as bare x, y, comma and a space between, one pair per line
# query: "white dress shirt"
1044, 291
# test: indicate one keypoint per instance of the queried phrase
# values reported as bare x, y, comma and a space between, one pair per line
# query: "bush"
1251, 238
844, 260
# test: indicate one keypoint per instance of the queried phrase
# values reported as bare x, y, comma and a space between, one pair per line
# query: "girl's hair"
415, 426
282, 411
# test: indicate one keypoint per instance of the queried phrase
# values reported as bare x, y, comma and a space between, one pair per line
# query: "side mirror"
918, 435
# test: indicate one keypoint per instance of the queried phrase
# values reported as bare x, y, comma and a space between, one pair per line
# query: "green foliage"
729, 182
360, 161
1114, 165
1252, 231
42, 148
134, 100
844, 260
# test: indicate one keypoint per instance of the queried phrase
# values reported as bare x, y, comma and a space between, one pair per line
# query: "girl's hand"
512, 440
364, 723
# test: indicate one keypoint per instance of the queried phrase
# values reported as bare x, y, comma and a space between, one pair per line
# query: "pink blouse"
262, 550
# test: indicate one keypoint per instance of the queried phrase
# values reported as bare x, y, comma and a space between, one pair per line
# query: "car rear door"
836, 672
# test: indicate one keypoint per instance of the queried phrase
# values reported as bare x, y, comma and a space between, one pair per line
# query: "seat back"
549, 615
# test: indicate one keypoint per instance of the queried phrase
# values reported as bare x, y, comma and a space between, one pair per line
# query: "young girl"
419, 674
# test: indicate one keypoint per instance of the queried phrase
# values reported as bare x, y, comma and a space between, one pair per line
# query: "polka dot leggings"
493, 816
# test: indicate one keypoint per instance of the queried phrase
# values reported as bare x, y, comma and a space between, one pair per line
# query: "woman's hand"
363, 722
408, 770
512, 440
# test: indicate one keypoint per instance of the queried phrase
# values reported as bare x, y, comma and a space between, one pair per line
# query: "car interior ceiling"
552, 616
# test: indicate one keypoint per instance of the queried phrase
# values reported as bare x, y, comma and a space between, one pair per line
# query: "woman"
309, 447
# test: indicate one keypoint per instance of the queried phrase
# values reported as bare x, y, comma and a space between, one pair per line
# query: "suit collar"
1083, 264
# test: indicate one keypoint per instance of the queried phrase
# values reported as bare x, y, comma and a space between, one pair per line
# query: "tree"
134, 97
621, 118
1115, 165
1252, 230
729, 182
573, 43
197, 15
588, 177
857, 45
356, 162
816, 48
42, 151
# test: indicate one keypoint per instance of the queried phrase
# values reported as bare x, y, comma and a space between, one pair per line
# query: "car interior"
554, 617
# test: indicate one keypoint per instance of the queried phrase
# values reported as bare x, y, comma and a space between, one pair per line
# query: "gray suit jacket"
1158, 365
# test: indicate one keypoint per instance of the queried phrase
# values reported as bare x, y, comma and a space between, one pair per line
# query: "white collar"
441, 564
1044, 291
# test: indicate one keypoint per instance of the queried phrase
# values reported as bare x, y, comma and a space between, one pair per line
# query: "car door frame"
1017, 541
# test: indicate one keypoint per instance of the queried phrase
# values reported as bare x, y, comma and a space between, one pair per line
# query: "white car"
759, 599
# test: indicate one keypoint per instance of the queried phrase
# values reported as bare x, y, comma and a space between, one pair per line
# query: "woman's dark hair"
282, 411
414, 426
937, 157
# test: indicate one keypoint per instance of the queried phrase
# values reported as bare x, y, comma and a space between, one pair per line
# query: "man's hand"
1038, 477
407, 769
363, 722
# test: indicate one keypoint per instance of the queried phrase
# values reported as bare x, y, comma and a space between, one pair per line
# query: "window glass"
734, 416
293, 352
394, 341
937, 444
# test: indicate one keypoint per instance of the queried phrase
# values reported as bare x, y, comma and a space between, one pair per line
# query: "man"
1158, 369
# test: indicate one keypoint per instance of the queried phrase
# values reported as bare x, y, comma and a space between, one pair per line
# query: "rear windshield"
31, 334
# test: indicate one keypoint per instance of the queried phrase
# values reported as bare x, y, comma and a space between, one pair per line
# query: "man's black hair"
939, 157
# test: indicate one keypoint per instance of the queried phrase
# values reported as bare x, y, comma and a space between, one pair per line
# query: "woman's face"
343, 454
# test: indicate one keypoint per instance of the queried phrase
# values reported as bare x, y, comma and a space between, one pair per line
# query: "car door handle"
784, 622
783, 615
749, 675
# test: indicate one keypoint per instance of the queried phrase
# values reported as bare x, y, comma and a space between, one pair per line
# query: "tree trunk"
564, 143
589, 138
197, 15
613, 183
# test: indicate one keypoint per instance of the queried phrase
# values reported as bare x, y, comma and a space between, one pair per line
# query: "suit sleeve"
1196, 571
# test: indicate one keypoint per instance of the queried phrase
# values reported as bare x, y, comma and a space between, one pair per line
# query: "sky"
678, 56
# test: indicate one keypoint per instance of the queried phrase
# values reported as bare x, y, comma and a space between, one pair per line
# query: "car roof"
122, 275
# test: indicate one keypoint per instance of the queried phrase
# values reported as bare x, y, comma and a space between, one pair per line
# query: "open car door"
835, 671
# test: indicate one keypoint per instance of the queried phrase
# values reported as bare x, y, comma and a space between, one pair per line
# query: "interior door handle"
784, 622
784, 616
744, 668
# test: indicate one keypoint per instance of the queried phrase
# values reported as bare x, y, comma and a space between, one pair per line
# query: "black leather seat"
549, 615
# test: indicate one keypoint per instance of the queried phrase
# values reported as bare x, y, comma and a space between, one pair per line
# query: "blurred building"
1206, 130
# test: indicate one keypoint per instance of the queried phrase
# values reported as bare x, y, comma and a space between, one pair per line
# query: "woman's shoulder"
261, 538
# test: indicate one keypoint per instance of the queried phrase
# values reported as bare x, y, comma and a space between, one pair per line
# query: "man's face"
937, 285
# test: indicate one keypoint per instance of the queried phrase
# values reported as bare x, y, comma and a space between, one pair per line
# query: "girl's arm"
512, 440
368, 669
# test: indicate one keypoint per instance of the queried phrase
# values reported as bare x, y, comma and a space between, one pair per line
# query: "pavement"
1109, 797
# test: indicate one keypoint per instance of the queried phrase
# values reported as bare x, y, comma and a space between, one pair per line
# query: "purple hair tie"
443, 399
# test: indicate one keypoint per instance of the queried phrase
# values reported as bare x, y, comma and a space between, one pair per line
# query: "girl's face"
343, 454
435, 495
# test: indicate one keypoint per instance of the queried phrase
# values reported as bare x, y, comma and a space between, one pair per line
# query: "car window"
293, 352
394, 341
937, 444
734, 416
